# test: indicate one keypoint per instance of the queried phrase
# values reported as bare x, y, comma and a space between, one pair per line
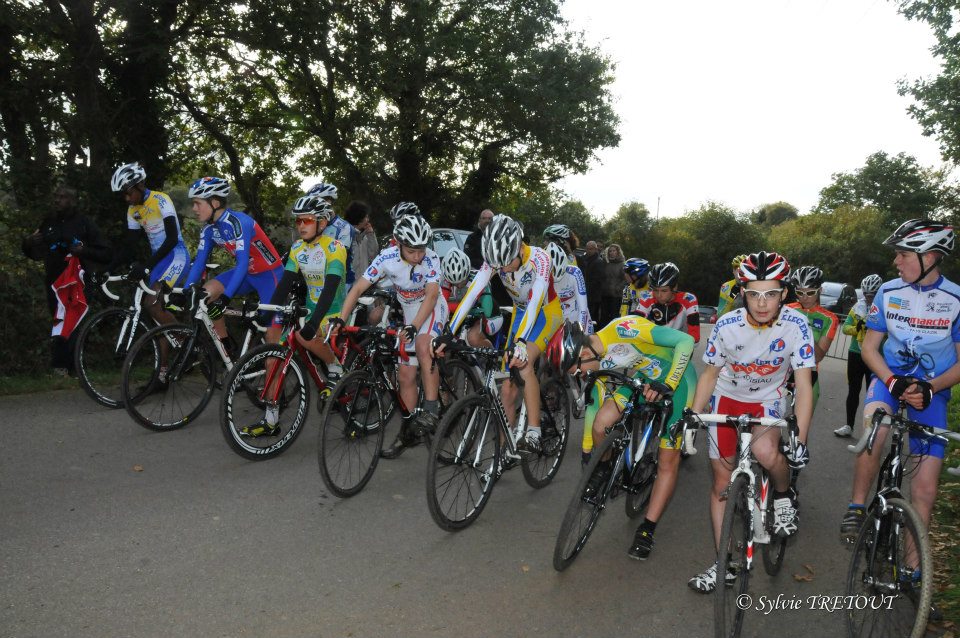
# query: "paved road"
203, 543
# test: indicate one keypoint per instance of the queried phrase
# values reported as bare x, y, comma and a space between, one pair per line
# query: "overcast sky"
749, 102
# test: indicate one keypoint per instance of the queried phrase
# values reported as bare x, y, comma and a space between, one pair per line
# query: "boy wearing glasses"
807, 281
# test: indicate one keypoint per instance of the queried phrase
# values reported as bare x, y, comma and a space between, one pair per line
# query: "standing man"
857, 372
592, 267
365, 246
472, 245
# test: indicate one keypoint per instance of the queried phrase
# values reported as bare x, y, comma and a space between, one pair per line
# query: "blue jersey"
921, 323
343, 231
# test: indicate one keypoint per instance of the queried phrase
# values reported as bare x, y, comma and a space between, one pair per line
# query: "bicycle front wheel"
892, 571
774, 550
102, 345
244, 404
351, 434
642, 476
168, 377
462, 467
540, 468
736, 537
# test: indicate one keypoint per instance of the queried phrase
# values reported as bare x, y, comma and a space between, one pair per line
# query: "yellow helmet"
735, 263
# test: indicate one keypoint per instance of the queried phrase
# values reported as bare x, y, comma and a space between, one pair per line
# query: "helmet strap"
925, 271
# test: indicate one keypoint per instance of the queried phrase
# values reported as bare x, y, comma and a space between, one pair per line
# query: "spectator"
64, 232
472, 244
365, 246
592, 266
613, 283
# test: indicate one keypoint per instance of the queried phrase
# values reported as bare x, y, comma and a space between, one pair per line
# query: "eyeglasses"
765, 295
305, 220
808, 293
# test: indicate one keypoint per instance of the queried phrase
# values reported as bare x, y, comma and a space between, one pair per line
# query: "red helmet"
763, 266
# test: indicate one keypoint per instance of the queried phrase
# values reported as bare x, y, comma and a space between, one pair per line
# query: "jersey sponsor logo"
607, 364
137, 216
777, 361
759, 368
416, 277
711, 349
818, 324
239, 244
303, 258
656, 314
806, 351
625, 330
726, 322
372, 272
898, 303
920, 322
801, 322
432, 273
526, 279
777, 345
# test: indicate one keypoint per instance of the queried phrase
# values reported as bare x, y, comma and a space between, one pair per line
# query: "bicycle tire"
774, 551
582, 514
642, 477
463, 462
457, 380
351, 434
100, 351
147, 399
877, 568
242, 404
735, 536
540, 468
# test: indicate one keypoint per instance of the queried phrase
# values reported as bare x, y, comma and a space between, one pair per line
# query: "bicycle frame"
130, 322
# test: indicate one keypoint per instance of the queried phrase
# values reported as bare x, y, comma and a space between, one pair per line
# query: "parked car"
446, 238
708, 314
837, 297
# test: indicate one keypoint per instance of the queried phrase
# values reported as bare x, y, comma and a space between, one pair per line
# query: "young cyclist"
807, 281
561, 235
337, 228
414, 271
258, 266
571, 288
456, 273
858, 374
635, 272
748, 355
152, 213
911, 347
525, 273
661, 356
664, 305
730, 289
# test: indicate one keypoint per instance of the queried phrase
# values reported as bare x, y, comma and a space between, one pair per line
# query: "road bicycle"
892, 563
475, 444
632, 444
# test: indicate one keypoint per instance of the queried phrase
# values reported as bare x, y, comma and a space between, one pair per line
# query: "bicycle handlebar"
882, 419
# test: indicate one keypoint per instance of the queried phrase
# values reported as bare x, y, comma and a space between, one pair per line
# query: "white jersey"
572, 291
409, 281
151, 215
755, 361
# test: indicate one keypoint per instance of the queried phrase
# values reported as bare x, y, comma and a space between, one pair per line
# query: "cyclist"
807, 281
480, 324
855, 325
525, 273
658, 354
561, 235
748, 355
664, 305
153, 213
258, 267
730, 290
571, 288
635, 272
414, 271
337, 228
911, 346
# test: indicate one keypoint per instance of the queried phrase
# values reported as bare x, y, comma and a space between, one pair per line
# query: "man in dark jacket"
64, 232
472, 244
592, 267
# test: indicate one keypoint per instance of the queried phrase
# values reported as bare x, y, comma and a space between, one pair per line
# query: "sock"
648, 526
272, 414
335, 368
855, 506
433, 407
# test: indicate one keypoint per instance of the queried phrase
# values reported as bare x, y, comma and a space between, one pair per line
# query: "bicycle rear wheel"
102, 345
735, 537
584, 511
351, 434
168, 377
242, 410
774, 551
540, 468
462, 468
892, 569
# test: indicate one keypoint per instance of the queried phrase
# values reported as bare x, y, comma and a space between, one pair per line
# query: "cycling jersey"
921, 323
243, 238
822, 321
149, 216
755, 360
483, 309
572, 292
855, 325
315, 260
410, 283
682, 313
728, 296
631, 294
344, 232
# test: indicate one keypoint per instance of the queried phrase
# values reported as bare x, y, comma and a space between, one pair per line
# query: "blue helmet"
636, 267
207, 187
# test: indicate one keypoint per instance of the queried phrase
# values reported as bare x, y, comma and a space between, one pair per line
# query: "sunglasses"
305, 220
808, 293
766, 295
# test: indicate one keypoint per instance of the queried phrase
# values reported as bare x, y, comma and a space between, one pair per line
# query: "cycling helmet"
871, 284
207, 187
412, 231
326, 191
571, 344
763, 266
501, 241
557, 231
921, 236
312, 204
456, 267
558, 260
735, 263
808, 277
636, 267
126, 176
665, 274
402, 209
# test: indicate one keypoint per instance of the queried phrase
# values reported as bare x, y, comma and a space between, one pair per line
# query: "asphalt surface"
111, 530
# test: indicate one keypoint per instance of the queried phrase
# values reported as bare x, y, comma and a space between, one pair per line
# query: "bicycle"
632, 443
168, 397
466, 459
357, 413
747, 518
892, 558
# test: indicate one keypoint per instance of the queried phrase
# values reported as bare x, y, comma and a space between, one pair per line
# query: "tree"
774, 214
629, 227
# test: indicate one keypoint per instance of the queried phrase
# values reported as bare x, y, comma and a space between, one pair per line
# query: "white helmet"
327, 191
207, 187
311, 204
921, 236
126, 176
501, 241
558, 260
402, 209
557, 231
456, 267
871, 284
412, 231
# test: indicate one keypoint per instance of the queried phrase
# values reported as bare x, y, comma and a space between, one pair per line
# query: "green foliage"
774, 214
630, 227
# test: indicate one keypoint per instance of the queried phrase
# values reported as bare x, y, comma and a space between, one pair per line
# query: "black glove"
800, 457
308, 332
138, 270
177, 300
445, 339
927, 391
409, 332
897, 384
215, 308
